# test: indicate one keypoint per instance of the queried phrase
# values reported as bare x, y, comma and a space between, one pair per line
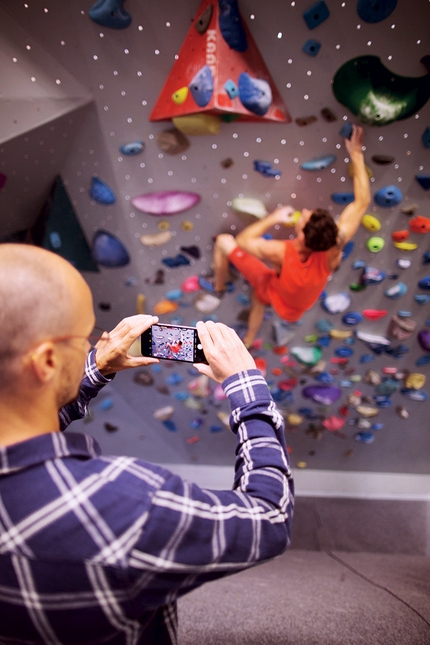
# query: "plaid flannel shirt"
97, 549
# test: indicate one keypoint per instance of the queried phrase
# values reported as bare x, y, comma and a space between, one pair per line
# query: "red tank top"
299, 284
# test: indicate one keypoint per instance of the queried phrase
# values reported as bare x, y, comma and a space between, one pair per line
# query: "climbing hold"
319, 164
110, 13
400, 328
376, 94
426, 138
374, 314
375, 10
203, 21
371, 222
174, 294
414, 395
344, 352
170, 425
424, 283
403, 414
406, 246
294, 419
163, 225
202, 86
198, 124
249, 206
340, 334
347, 250
324, 394
316, 14
342, 198
172, 141
177, 261
227, 162
143, 378
158, 278
415, 381
305, 120
231, 89
324, 325
372, 339
156, 239
218, 393
400, 236
333, 424
403, 264
404, 314
424, 181
109, 251
261, 365
382, 160
419, 224
287, 384
424, 339
180, 96
426, 257
365, 437
141, 303
352, 318
231, 26
372, 378
255, 94
359, 264
166, 202
336, 303
311, 47
372, 275
388, 196
165, 413
375, 244
133, 148
307, 355
206, 303
192, 250
191, 284
328, 115
387, 387
265, 169
101, 193
200, 386
165, 307
421, 299
367, 411
346, 130
396, 291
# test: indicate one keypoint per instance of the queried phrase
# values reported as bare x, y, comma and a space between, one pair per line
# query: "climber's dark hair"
320, 231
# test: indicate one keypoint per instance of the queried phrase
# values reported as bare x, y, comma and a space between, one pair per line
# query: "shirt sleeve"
91, 385
193, 535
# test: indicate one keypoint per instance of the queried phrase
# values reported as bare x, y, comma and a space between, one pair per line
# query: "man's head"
43, 299
319, 229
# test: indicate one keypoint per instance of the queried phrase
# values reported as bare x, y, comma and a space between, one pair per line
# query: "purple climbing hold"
265, 169
109, 251
110, 13
166, 202
202, 86
324, 394
101, 193
424, 339
231, 26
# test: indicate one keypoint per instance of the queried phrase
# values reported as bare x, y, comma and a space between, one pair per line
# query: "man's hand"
112, 350
225, 352
283, 215
355, 143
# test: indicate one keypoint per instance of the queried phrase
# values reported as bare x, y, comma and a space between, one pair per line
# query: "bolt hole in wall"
95, 130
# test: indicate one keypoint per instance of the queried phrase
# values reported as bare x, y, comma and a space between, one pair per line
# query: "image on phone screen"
173, 342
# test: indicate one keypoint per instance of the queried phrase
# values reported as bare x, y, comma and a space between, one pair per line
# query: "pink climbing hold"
167, 202
374, 314
333, 424
191, 284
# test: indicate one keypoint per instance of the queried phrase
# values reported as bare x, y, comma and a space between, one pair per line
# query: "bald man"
97, 549
301, 267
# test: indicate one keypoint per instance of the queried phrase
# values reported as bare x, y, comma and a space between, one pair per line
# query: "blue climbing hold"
265, 169
344, 352
324, 377
319, 164
170, 425
311, 47
396, 291
426, 138
55, 239
174, 294
365, 437
255, 94
375, 10
101, 193
177, 261
426, 257
421, 298
109, 251
376, 426
342, 198
424, 181
316, 14
110, 13
382, 401
324, 341
424, 283
324, 325
414, 395
373, 276
174, 379
422, 360
231, 26
404, 314
388, 196
347, 250
202, 86
367, 358
352, 318
346, 130
231, 89
132, 148
359, 264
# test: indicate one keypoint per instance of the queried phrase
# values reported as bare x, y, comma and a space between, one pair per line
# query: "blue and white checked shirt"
97, 549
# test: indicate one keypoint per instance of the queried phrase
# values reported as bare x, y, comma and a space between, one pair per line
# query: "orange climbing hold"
420, 224
400, 236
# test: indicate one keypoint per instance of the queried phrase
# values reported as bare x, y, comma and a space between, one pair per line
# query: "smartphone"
173, 342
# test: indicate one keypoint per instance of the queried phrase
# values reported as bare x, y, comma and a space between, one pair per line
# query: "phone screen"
173, 342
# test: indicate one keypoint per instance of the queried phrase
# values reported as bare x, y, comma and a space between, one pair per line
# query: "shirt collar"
44, 447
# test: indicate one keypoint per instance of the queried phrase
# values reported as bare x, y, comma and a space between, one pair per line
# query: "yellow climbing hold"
340, 334
371, 222
301, 464
156, 239
294, 419
187, 226
165, 307
180, 96
198, 124
140, 303
163, 225
406, 246
415, 381
351, 171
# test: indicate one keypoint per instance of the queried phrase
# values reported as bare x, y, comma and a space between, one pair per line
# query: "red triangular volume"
215, 77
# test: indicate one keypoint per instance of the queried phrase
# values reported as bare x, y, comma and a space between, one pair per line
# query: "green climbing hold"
307, 355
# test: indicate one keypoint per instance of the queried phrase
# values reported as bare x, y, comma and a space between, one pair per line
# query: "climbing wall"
75, 107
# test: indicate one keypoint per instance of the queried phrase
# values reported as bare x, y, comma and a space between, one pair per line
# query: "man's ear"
44, 361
